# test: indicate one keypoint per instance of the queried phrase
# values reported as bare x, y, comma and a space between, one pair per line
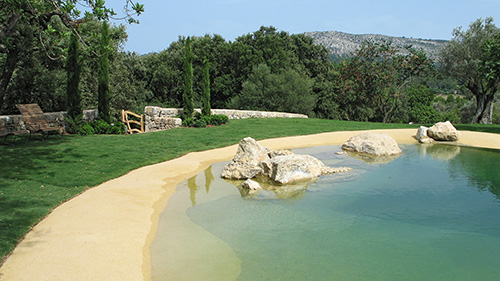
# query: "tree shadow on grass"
34, 159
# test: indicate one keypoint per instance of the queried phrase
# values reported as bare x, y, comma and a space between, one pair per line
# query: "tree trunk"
8, 29
7, 72
386, 117
484, 109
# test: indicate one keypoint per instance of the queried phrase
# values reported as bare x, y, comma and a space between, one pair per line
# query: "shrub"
200, 123
86, 130
101, 127
117, 129
73, 125
188, 122
217, 120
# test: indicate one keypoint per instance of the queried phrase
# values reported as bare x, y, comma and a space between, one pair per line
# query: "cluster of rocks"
259, 166
442, 131
282, 167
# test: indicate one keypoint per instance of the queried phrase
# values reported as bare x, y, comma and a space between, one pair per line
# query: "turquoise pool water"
431, 214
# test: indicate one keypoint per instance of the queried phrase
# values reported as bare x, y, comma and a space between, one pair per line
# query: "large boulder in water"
443, 131
372, 144
291, 168
245, 164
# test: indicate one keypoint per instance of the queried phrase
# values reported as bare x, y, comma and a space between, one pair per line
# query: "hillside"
342, 45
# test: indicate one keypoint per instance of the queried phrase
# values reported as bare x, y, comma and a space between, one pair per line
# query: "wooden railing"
126, 120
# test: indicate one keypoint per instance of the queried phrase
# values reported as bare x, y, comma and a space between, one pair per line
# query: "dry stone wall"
155, 118
54, 119
158, 118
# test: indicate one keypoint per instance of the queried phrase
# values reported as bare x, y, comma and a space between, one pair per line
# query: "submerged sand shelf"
105, 233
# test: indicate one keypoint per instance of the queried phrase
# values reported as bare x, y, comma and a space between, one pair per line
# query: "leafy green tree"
74, 109
206, 89
188, 81
461, 59
128, 84
28, 75
42, 17
420, 99
324, 89
223, 78
103, 74
91, 55
375, 78
490, 62
39, 75
231, 64
287, 92
354, 90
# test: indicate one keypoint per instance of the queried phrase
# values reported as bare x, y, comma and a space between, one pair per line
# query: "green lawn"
38, 176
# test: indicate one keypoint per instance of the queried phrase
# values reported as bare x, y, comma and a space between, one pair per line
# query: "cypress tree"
73, 68
103, 76
206, 88
188, 81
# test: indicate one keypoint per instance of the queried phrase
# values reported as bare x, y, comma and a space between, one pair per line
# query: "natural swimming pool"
431, 214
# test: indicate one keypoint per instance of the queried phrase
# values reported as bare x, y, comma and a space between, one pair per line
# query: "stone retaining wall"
157, 118
54, 119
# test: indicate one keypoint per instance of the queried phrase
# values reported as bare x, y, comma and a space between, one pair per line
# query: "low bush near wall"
202, 121
100, 127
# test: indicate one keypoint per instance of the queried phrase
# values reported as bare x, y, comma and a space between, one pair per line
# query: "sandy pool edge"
105, 233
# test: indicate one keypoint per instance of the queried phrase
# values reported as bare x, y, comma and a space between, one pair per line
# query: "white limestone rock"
250, 185
294, 168
372, 144
245, 164
443, 131
422, 136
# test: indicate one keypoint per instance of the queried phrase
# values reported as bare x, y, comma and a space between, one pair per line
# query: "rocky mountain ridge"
342, 45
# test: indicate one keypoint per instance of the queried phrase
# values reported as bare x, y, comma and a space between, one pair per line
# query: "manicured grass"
488, 128
38, 176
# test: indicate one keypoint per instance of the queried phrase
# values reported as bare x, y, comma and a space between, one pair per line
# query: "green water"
431, 214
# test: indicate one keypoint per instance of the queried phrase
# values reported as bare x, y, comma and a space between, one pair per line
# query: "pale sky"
165, 20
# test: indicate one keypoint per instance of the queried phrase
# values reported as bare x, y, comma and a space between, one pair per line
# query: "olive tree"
461, 59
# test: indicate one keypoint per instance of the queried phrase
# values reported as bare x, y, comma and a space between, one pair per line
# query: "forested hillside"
342, 45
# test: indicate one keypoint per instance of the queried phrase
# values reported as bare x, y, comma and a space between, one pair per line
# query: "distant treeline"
264, 70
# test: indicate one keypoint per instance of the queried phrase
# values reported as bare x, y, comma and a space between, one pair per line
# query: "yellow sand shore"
105, 233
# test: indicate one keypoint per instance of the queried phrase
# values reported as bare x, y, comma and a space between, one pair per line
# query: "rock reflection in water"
272, 191
439, 151
371, 159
